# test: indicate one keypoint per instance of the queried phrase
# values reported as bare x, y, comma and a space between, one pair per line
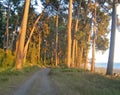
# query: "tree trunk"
56, 53
112, 42
44, 57
94, 38
31, 33
87, 51
76, 52
39, 47
74, 48
93, 56
80, 53
69, 34
6, 38
74, 43
21, 41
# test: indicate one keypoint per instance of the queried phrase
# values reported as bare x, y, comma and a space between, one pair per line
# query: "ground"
58, 81
39, 84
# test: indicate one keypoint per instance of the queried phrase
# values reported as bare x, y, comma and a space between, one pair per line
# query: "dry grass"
103, 70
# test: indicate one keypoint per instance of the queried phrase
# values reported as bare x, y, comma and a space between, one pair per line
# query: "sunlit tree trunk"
21, 41
56, 53
74, 43
30, 36
80, 54
112, 41
93, 55
93, 40
74, 47
76, 53
73, 54
69, 34
88, 41
87, 52
39, 47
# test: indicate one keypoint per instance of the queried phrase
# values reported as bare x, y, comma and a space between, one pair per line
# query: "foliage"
32, 53
6, 60
15, 14
102, 43
39, 36
2, 25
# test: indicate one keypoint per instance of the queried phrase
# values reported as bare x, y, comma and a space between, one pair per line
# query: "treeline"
62, 34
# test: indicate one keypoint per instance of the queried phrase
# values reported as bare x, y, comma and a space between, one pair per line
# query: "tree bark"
76, 53
39, 47
112, 42
87, 51
80, 54
6, 38
74, 43
94, 38
56, 53
21, 41
69, 34
93, 56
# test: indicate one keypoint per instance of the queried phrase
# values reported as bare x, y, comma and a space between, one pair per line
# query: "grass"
80, 82
11, 79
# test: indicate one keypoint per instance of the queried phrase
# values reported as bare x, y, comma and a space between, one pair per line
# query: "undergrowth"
8, 73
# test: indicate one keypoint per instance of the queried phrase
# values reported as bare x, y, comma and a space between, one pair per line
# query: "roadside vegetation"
11, 79
81, 82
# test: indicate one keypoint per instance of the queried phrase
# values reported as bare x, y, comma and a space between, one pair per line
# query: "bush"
63, 65
30, 68
6, 60
2, 55
4, 79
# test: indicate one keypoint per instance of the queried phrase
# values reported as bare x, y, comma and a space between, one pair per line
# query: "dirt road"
39, 84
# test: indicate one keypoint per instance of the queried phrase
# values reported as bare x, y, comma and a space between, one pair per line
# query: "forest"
58, 35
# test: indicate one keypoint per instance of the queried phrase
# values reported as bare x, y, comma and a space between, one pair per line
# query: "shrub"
63, 65
6, 60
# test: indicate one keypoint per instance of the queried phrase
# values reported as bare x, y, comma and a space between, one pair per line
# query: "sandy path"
38, 84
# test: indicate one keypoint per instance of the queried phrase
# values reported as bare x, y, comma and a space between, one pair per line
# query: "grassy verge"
10, 80
80, 82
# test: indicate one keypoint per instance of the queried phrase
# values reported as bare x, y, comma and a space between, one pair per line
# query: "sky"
103, 58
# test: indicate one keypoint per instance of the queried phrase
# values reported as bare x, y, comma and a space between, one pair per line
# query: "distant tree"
9, 17
6, 38
2, 25
77, 8
92, 18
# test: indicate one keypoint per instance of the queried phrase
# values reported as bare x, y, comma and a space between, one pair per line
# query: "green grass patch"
80, 82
